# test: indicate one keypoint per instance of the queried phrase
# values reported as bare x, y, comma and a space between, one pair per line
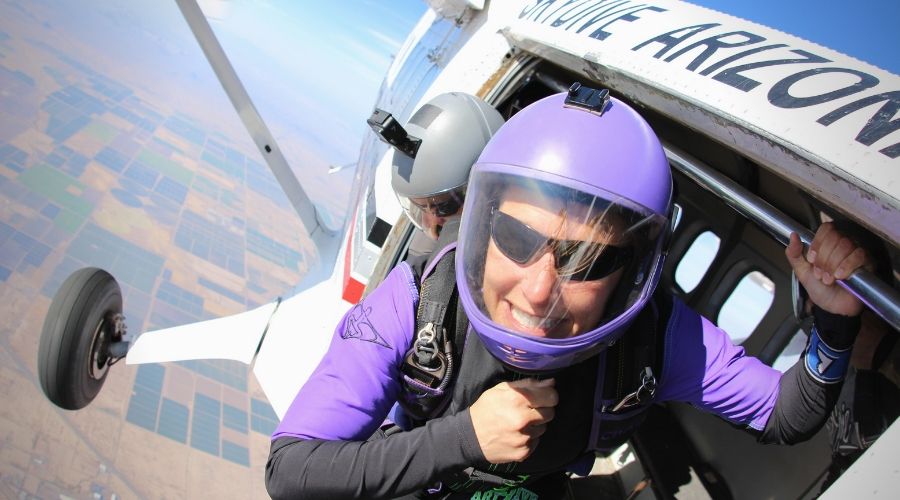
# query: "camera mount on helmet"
586, 98
390, 131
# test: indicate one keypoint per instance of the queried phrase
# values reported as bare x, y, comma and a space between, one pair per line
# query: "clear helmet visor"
430, 213
553, 261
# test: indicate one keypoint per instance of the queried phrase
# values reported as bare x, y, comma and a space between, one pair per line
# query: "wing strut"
250, 116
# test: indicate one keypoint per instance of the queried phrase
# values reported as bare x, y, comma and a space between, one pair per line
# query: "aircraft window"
379, 232
791, 352
746, 306
696, 261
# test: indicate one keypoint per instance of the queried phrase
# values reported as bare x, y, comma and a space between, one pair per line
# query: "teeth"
533, 322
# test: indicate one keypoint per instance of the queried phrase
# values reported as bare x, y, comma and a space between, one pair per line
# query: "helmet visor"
550, 259
430, 213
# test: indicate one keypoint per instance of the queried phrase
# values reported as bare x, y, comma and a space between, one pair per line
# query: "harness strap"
435, 298
428, 367
631, 362
628, 374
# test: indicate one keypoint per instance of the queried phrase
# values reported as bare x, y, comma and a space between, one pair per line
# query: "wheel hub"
110, 329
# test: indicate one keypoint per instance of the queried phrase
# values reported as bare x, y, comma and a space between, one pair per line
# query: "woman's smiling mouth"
531, 323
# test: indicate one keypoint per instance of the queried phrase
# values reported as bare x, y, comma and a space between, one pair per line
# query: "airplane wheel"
73, 355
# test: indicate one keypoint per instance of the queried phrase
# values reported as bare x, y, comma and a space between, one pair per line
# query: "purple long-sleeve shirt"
322, 445
358, 381
349, 394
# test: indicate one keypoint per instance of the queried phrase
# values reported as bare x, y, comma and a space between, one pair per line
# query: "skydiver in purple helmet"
560, 250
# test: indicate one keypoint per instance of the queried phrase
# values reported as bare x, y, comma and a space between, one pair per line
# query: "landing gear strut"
81, 338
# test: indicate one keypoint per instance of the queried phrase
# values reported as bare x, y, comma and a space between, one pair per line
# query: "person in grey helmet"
431, 185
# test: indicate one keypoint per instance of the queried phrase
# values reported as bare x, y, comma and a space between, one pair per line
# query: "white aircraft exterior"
807, 117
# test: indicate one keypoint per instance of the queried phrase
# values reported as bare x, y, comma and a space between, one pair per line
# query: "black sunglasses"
521, 244
444, 208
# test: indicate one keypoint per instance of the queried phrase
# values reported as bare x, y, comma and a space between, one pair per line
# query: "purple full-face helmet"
572, 194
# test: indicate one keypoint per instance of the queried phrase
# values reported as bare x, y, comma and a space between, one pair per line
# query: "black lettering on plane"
730, 59
733, 77
602, 10
669, 40
715, 43
600, 34
568, 6
881, 123
587, 13
574, 12
891, 151
780, 93
533, 12
565, 17
609, 10
553, 12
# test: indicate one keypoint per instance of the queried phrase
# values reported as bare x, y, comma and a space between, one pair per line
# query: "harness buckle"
644, 393
426, 347
425, 362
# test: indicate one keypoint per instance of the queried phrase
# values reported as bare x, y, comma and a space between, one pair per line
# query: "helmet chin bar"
545, 373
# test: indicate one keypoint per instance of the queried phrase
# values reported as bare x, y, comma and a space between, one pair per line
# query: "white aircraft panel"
386, 205
298, 336
874, 475
409, 45
232, 337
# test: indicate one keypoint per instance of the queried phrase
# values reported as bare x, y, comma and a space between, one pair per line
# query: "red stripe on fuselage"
353, 289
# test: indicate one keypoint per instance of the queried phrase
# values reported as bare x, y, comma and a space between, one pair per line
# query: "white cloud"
392, 43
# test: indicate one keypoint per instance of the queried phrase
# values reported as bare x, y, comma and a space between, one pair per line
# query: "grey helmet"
453, 129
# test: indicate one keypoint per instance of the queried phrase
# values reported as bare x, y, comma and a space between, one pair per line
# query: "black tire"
72, 361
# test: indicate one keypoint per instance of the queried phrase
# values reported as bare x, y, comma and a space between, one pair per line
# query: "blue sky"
865, 29
313, 69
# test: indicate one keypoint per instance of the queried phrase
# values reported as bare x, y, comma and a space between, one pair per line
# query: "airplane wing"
287, 338
233, 337
298, 336
294, 333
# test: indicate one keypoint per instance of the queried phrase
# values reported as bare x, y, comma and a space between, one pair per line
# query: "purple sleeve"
351, 391
702, 367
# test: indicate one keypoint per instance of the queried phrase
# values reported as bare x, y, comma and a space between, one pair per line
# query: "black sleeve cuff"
468, 439
836, 330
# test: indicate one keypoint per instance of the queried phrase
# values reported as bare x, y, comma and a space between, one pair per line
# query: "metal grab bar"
875, 294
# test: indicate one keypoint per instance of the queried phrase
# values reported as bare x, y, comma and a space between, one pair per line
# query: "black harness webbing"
429, 365
633, 362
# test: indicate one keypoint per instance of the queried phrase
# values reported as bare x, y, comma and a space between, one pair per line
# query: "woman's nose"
540, 281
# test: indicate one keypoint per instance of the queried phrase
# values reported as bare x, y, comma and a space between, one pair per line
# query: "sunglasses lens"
445, 204
516, 240
575, 260
446, 208
609, 260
